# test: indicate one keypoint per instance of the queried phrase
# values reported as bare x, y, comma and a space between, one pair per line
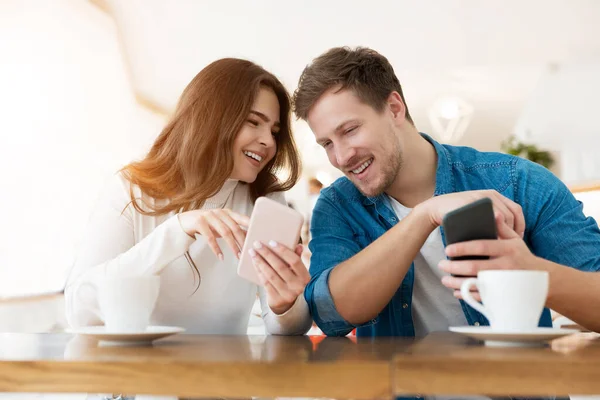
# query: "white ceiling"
491, 53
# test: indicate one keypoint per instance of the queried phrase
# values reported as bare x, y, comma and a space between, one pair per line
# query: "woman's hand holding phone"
282, 273
271, 256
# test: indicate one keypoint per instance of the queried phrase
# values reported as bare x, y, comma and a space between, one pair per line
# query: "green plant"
528, 151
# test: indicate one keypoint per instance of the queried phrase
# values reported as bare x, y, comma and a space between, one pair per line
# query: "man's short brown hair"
366, 72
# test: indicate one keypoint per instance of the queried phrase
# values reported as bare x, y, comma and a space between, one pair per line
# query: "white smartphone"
270, 220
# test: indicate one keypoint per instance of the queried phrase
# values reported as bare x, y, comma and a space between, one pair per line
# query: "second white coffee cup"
513, 300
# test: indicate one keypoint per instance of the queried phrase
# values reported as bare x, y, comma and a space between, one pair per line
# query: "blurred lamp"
450, 117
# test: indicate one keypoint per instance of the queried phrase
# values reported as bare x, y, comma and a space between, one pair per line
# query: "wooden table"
450, 364
274, 366
200, 366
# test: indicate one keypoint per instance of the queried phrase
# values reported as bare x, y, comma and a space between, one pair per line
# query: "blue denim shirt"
345, 222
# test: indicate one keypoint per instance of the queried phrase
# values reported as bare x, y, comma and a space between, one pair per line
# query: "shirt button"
404, 305
476, 324
393, 219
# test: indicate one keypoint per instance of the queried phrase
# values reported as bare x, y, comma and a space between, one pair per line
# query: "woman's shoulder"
118, 192
116, 189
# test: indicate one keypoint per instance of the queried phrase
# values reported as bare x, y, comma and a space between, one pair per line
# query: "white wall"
69, 119
562, 115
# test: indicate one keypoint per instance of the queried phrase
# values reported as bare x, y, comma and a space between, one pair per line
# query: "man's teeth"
362, 167
253, 155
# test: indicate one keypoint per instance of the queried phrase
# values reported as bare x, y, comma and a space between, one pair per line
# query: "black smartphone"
475, 221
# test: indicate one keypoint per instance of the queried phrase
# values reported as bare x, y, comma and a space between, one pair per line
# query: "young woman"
180, 212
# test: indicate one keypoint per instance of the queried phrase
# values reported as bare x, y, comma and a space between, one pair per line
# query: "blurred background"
86, 86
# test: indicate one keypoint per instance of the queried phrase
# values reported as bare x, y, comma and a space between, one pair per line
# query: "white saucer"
127, 338
503, 338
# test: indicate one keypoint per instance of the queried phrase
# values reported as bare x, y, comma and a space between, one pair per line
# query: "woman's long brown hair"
192, 157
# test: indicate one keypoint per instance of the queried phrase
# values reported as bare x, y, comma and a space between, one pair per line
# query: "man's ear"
397, 107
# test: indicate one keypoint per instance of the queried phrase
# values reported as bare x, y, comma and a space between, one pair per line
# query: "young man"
378, 258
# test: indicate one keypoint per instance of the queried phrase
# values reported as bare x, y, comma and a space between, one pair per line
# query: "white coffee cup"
513, 300
125, 304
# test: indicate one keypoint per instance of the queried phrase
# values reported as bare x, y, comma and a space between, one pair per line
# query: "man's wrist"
556, 274
422, 215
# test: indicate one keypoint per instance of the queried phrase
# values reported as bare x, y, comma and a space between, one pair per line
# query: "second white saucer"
503, 338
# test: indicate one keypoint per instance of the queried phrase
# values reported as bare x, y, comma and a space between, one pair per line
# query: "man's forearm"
363, 285
574, 294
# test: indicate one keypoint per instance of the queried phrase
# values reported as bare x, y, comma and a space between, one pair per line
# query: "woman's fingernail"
257, 245
273, 243
239, 255
221, 257
252, 253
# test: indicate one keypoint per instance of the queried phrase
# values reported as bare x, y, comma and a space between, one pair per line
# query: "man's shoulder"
468, 158
514, 177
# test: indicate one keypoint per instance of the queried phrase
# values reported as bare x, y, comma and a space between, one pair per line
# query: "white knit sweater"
126, 242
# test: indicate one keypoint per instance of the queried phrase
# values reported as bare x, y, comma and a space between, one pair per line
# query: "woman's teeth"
253, 155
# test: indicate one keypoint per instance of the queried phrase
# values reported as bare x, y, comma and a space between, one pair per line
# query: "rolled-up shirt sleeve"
332, 243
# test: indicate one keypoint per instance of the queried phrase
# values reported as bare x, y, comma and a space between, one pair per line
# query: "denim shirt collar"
444, 180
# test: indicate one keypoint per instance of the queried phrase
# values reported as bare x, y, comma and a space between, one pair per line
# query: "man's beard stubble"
390, 170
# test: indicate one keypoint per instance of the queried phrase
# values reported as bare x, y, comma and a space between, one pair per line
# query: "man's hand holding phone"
473, 255
508, 252
437, 207
483, 230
